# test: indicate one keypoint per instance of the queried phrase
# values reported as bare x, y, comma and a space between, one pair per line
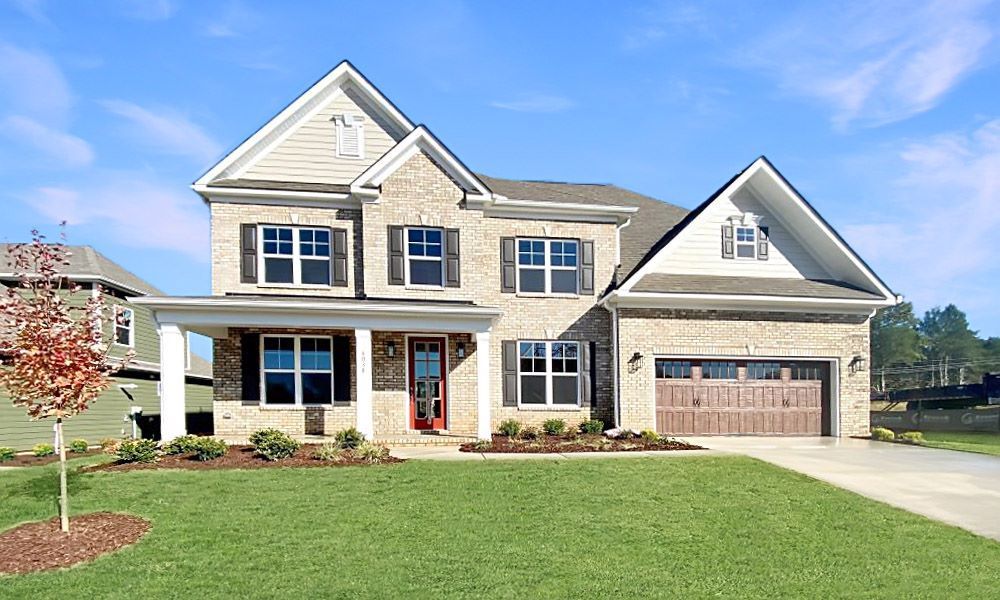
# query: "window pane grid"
763, 370
549, 373
718, 370
673, 369
296, 255
547, 266
297, 370
424, 252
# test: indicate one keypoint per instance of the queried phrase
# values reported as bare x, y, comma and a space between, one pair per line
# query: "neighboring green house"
135, 388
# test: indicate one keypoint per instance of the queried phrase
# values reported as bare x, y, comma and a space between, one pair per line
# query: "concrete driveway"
959, 488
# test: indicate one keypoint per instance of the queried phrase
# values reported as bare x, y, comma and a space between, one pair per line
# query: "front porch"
395, 370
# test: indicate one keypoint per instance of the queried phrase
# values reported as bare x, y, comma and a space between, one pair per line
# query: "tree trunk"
63, 491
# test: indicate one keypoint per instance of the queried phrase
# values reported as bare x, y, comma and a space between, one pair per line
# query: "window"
763, 370
124, 326
673, 369
296, 255
746, 246
548, 373
350, 136
424, 249
718, 370
297, 370
547, 266
805, 372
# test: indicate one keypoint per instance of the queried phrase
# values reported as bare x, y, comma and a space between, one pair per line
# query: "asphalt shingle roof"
86, 261
752, 286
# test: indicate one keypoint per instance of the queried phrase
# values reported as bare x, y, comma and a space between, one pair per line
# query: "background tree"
951, 346
895, 343
55, 361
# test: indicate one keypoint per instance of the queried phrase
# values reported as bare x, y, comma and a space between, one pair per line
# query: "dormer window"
350, 136
746, 242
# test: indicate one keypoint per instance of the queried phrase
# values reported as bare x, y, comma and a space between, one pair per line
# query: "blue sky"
885, 116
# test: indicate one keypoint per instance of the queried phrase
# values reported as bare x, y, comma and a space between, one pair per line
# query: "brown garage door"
727, 397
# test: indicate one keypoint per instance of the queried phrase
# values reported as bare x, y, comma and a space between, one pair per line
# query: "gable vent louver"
350, 136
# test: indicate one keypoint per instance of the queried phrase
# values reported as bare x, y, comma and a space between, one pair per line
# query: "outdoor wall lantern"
858, 364
460, 349
390, 349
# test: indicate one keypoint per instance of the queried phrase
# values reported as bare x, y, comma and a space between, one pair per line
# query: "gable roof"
299, 109
86, 263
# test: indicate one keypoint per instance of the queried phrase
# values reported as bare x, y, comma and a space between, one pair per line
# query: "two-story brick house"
364, 276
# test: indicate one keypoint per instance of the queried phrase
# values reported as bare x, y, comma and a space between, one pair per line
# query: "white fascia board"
743, 302
278, 197
536, 209
88, 279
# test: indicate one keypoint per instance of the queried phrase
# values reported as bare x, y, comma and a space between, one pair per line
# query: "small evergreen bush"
592, 426
6, 454
911, 437
350, 438
554, 426
530, 433
136, 451
79, 446
185, 444
373, 453
273, 444
649, 435
510, 428
43, 450
329, 452
883, 435
209, 448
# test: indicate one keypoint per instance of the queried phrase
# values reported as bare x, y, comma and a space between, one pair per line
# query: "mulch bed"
583, 443
42, 546
240, 457
30, 460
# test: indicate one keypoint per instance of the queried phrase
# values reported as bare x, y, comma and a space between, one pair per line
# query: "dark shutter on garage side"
728, 245
395, 245
248, 253
588, 373
763, 243
250, 367
341, 370
510, 373
586, 267
338, 257
452, 261
508, 273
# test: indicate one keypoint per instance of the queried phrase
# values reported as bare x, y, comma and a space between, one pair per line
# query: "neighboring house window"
718, 370
424, 251
296, 255
549, 373
350, 136
547, 266
124, 326
673, 369
297, 370
763, 370
746, 242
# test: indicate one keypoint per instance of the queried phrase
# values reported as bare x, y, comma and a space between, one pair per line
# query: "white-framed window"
350, 136
746, 241
296, 370
548, 373
424, 256
546, 266
295, 255
124, 326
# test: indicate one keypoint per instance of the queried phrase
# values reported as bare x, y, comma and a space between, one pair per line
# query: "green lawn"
636, 527
984, 443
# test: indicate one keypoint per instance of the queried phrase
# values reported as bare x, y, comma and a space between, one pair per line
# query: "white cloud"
235, 20
535, 103
131, 210
32, 84
936, 234
63, 147
166, 131
874, 64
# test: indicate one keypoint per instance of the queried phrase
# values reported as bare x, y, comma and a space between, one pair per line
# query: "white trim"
76, 278
446, 375
296, 257
484, 375
742, 302
546, 267
407, 258
228, 195
131, 327
556, 211
296, 370
364, 404
172, 394
549, 376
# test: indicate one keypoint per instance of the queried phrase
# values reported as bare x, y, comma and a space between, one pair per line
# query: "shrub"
209, 448
592, 426
185, 444
108, 445
481, 445
329, 452
530, 433
373, 453
350, 438
911, 437
883, 435
649, 435
510, 428
136, 451
6, 454
273, 444
554, 426
571, 433
43, 450
79, 446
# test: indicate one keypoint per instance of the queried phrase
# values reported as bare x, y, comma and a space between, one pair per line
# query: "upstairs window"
547, 266
424, 256
124, 326
296, 255
746, 242
350, 136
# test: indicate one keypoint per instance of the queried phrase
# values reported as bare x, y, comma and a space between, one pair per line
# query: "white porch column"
484, 403
172, 402
363, 369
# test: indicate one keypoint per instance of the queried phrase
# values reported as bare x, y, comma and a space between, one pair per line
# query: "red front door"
427, 382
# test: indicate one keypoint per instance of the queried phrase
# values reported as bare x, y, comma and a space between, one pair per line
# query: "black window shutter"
250, 367
727, 242
508, 273
763, 243
588, 373
395, 245
248, 253
452, 265
509, 372
586, 267
342, 369
338, 257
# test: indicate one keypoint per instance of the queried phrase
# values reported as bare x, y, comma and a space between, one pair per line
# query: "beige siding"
698, 250
309, 154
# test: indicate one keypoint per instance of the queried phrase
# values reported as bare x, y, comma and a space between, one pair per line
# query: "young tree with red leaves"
54, 356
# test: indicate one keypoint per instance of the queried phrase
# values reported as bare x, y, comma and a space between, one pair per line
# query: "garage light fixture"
858, 364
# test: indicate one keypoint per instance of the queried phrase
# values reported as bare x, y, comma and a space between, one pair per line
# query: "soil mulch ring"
30, 460
241, 457
42, 546
550, 444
